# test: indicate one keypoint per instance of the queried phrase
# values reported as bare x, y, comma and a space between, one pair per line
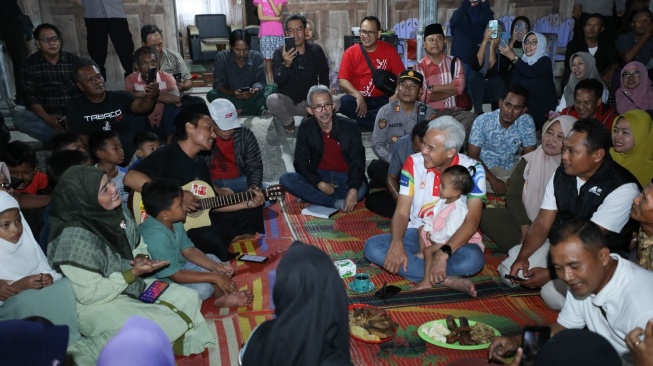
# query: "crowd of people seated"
576, 173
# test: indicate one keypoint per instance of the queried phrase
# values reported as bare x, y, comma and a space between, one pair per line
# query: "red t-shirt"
354, 68
39, 183
223, 163
332, 156
604, 114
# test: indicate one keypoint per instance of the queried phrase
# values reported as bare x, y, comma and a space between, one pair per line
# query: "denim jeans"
300, 187
31, 124
238, 184
348, 108
465, 261
205, 290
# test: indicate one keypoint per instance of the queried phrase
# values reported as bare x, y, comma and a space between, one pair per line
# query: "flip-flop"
290, 129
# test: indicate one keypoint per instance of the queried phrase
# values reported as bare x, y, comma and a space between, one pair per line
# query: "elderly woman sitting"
94, 242
28, 286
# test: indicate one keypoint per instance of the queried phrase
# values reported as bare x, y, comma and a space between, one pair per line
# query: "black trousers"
97, 32
13, 35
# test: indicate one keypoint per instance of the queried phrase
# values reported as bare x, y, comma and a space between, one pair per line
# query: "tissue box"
346, 268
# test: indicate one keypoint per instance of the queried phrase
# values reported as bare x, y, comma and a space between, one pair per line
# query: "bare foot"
420, 254
240, 298
460, 284
374, 265
424, 285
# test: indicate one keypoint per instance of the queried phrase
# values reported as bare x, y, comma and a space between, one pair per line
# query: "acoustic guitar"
207, 200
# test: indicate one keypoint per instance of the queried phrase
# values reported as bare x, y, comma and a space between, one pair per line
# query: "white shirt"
626, 300
611, 215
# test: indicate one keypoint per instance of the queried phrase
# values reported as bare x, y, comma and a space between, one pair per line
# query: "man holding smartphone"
297, 66
239, 76
170, 61
606, 293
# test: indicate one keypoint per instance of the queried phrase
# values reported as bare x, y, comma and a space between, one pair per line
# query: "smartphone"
177, 77
493, 26
533, 339
151, 75
505, 39
154, 291
15, 182
514, 278
253, 258
289, 42
244, 90
520, 26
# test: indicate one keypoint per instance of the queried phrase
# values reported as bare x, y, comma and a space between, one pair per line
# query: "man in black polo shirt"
101, 110
295, 71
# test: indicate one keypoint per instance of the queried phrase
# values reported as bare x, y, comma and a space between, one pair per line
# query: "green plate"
427, 326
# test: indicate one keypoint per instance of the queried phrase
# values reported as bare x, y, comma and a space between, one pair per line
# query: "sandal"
290, 129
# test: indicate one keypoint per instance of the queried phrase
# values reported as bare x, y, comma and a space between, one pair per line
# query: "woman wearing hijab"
94, 243
28, 286
632, 141
534, 72
508, 226
636, 91
583, 66
311, 325
141, 342
518, 29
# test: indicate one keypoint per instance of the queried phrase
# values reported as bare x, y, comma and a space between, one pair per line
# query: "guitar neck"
225, 200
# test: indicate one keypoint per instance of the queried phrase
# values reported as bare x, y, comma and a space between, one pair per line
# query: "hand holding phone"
493, 26
533, 339
177, 77
153, 291
244, 90
151, 75
289, 42
514, 278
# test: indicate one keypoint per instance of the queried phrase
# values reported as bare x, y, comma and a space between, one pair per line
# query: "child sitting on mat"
448, 215
163, 232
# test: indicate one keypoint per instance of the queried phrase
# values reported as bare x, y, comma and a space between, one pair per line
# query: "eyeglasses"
320, 108
531, 43
53, 39
628, 75
5, 185
152, 63
366, 33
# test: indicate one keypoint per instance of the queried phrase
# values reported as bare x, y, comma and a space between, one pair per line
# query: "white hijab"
539, 51
25, 257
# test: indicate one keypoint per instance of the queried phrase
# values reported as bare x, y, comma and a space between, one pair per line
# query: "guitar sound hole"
194, 214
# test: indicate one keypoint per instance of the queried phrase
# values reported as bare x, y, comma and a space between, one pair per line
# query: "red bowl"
357, 306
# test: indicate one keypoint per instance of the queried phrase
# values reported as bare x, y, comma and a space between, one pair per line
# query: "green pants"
254, 106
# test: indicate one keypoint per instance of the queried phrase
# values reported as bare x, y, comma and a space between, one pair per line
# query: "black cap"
433, 29
411, 75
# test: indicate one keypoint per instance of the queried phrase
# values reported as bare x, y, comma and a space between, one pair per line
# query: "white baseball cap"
224, 114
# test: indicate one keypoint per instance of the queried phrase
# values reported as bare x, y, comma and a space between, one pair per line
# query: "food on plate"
372, 324
482, 334
437, 331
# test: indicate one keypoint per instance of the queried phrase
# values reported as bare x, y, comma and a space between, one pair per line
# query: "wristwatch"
446, 250
515, 59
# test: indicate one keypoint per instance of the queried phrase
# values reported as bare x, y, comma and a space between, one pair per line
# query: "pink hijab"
638, 98
540, 168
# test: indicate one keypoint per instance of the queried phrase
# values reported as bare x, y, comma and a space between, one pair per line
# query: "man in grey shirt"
395, 120
239, 76
170, 61
107, 18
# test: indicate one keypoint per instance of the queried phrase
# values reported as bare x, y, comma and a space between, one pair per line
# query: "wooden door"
68, 15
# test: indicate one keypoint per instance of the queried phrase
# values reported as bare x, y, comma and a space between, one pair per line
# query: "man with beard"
329, 157
181, 162
48, 85
606, 293
589, 185
588, 103
101, 110
499, 138
239, 76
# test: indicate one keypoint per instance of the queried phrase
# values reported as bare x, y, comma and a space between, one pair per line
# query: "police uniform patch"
394, 138
382, 123
397, 108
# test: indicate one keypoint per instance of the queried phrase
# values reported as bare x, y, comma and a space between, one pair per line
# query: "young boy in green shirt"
163, 232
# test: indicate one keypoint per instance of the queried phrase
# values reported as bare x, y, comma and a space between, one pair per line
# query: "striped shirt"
172, 63
441, 75
51, 86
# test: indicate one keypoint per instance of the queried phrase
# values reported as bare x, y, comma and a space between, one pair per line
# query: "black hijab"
311, 325
518, 44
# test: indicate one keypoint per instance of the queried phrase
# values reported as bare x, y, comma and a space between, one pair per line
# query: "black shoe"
228, 256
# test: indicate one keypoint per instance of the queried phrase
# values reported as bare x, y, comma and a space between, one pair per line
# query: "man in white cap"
196, 132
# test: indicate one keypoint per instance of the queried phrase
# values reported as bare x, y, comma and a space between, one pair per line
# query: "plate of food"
370, 324
458, 333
